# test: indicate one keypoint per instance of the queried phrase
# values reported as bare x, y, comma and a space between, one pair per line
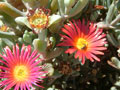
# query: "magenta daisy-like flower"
20, 69
84, 40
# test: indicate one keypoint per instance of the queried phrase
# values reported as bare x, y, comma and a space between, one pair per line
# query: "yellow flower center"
20, 73
39, 19
81, 43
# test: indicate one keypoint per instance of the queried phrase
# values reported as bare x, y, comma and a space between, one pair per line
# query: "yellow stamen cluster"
81, 44
20, 73
39, 19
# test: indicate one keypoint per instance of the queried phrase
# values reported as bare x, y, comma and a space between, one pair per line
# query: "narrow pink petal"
67, 38
98, 43
27, 86
4, 68
68, 41
4, 62
34, 64
76, 27
9, 61
29, 51
64, 44
22, 52
17, 51
80, 27
83, 59
25, 55
17, 86
97, 52
35, 69
72, 28
80, 56
21, 86
67, 32
88, 55
10, 85
9, 53
98, 48
24, 87
6, 82
14, 52
70, 50
30, 84
33, 54
30, 62
96, 58
90, 36
68, 28
77, 54
38, 85
3, 83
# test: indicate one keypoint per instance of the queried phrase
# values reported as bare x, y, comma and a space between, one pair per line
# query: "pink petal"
70, 50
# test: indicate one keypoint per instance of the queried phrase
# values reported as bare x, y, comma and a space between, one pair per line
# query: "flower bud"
27, 38
39, 45
49, 67
116, 61
54, 19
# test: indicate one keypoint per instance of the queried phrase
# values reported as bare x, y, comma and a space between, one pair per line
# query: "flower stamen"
39, 18
81, 43
20, 73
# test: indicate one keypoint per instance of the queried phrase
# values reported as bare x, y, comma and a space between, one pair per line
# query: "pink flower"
20, 69
84, 40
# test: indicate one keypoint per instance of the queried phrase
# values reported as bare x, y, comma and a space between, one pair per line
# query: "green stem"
111, 12
112, 40
117, 19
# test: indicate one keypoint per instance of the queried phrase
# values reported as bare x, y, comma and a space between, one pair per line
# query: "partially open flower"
4, 28
38, 18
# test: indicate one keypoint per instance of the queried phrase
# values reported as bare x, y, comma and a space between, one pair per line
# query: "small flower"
38, 18
4, 28
83, 39
20, 68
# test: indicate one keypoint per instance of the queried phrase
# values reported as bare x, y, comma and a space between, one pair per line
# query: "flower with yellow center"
38, 18
83, 39
20, 69
4, 28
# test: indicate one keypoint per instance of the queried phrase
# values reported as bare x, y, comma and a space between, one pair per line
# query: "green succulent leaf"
78, 7
23, 21
10, 10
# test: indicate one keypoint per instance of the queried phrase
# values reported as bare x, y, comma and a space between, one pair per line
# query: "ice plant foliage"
84, 40
38, 18
20, 69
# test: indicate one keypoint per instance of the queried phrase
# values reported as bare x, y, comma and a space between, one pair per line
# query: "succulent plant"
69, 36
